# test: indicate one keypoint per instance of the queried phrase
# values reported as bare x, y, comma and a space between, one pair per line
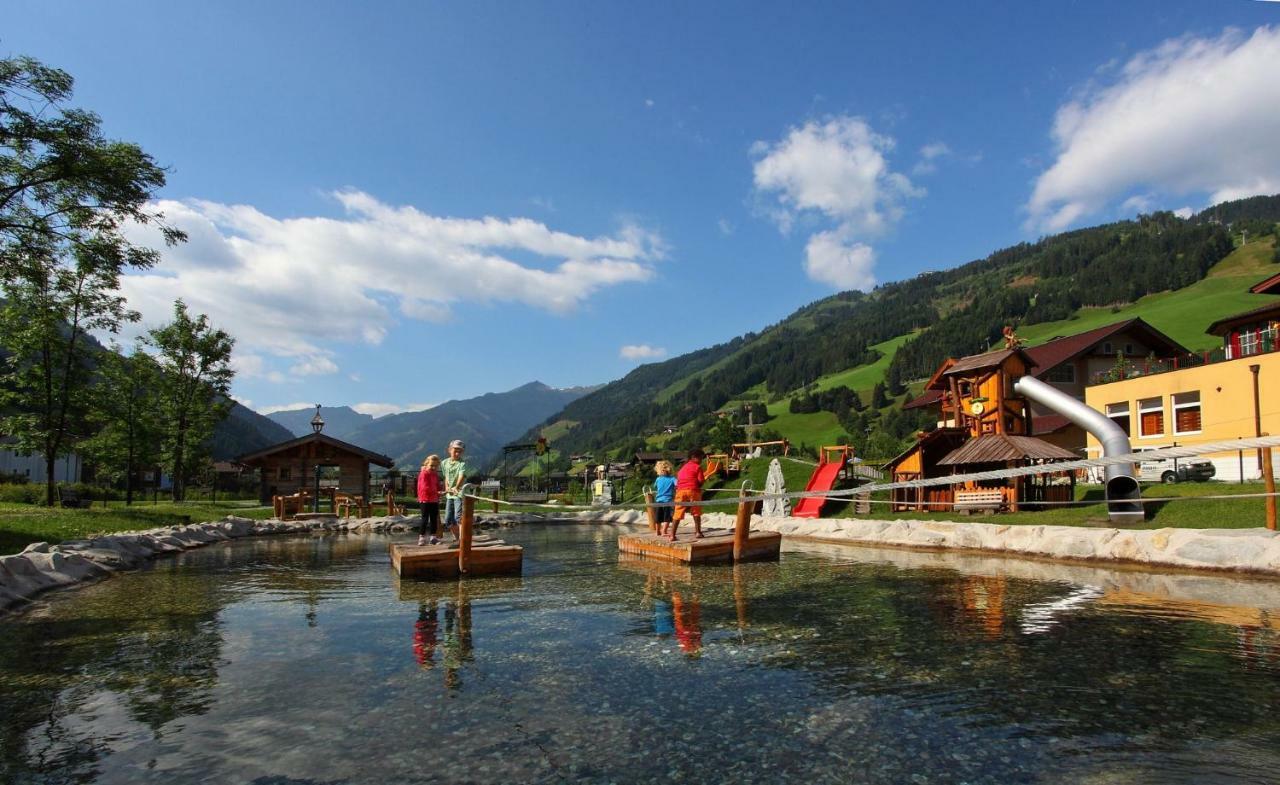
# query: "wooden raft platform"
489, 556
717, 546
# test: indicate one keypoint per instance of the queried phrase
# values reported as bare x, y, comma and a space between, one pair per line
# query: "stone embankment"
41, 566
1255, 551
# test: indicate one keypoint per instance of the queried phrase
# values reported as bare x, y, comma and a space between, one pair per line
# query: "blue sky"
400, 204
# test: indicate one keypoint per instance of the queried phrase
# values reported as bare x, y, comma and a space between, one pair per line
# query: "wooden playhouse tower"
987, 426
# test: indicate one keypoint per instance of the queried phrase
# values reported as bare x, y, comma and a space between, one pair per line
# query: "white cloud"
314, 366
642, 351
1186, 212
1191, 116
929, 155
725, 227
839, 261
836, 170
648, 103
383, 409
287, 407
289, 287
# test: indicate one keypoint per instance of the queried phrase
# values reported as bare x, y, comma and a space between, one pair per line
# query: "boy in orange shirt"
689, 482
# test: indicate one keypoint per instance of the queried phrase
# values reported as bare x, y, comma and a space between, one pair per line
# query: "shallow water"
305, 660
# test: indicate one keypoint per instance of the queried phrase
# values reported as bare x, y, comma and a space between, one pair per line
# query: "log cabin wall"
292, 469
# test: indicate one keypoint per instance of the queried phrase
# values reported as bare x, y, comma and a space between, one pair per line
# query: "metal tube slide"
1122, 487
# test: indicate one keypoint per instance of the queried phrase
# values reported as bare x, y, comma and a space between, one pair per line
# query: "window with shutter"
1186, 412
1151, 417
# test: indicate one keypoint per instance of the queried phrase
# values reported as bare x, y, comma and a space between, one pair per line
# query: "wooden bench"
967, 502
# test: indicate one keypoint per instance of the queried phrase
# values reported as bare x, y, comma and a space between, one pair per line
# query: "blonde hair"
663, 467
430, 459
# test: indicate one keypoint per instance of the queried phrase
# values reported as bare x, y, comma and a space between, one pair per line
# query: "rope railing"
1165, 453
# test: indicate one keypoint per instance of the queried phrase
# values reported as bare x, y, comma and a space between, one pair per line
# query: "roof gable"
337, 444
1050, 355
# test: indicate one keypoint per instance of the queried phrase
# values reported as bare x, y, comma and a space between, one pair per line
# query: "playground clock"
977, 408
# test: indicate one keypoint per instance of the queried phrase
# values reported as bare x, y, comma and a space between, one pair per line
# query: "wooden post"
1269, 482
742, 525
464, 531
653, 514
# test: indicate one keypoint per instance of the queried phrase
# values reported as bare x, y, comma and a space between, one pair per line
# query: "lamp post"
317, 425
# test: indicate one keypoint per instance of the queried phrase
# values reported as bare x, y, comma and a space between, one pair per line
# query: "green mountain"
339, 421
839, 368
244, 431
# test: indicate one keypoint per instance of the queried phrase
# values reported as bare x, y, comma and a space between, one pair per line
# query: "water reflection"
308, 660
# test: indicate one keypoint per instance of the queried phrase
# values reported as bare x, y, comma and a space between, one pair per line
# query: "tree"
878, 398
125, 423
66, 194
63, 185
195, 361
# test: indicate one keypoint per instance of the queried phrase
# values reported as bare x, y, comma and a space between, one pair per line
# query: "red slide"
823, 479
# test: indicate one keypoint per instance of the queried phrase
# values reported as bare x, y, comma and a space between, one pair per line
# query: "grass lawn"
23, 524
1187, 508
1182, 315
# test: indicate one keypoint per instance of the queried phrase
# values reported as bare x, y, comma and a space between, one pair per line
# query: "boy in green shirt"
455, 474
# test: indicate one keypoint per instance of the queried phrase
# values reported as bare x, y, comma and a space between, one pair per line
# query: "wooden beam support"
1269, 482
742, 525
464, 531
653, 514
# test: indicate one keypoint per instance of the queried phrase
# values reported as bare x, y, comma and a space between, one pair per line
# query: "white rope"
1165, 453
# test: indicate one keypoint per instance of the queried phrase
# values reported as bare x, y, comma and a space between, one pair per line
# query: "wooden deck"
717, 546
489, 556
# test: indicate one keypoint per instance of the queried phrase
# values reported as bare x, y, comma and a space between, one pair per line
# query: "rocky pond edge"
41, 566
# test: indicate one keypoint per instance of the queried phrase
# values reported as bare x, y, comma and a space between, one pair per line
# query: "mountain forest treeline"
948, 313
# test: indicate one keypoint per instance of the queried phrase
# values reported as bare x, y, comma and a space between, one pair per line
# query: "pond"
305, 660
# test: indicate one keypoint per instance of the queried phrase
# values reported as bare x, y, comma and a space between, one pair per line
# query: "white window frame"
1144, 409
1250, 342
1116, 409
1186, 405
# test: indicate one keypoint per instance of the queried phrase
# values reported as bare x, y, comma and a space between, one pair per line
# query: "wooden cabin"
290, 467
985, 425
920, 461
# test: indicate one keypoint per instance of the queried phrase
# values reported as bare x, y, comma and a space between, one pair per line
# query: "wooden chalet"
1069, 363
1253, 332
984, 425
920, 462
290, 467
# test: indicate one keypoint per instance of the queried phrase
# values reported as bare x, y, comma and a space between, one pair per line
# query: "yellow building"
1217, 401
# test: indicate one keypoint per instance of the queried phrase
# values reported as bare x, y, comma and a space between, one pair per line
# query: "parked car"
1168, 470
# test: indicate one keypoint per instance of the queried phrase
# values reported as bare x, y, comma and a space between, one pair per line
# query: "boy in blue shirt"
664, 491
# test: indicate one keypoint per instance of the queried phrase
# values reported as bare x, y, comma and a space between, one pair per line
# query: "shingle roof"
1269, 286
1056, 352
999, 447
372, 457
1221, 326
978, 362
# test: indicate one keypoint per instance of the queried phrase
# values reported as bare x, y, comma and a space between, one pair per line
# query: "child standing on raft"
664, 491
689, 482
429, 486
455, 474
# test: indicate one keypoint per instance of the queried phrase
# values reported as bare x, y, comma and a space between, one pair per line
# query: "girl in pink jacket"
429, 486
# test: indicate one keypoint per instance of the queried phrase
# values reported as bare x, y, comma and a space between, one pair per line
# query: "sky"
391, 205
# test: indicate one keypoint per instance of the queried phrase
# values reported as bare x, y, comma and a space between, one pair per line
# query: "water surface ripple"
305, 660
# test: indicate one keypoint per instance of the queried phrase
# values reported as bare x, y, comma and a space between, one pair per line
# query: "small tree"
66, 193
195, 360
125, 423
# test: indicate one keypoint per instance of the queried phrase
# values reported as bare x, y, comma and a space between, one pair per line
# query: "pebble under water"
305, 660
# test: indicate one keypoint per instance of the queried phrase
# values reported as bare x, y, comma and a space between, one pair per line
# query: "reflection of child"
689, 482
429, 485
688, 623
424, 636
664, 491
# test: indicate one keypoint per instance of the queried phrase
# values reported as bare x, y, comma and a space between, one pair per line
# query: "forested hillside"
946, 313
